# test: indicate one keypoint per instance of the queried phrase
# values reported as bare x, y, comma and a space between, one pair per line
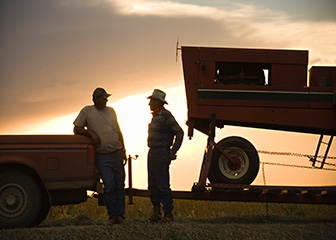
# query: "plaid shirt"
163, 129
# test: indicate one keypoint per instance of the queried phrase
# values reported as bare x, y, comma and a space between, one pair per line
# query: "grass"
141, 209
193, 220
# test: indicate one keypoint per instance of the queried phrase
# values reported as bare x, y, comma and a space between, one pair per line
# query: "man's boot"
156, 213
168, 217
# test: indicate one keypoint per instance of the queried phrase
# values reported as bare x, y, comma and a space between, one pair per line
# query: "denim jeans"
112, 172
158, 178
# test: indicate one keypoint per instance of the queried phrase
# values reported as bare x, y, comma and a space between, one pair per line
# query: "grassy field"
193, 220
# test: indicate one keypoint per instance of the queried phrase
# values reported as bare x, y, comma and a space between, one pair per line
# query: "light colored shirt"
104, 123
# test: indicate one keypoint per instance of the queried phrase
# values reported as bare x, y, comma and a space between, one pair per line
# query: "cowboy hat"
158, 95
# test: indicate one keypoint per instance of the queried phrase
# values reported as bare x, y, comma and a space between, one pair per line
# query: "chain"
297, 166
330, 164
292, 154
263, 172
291, 165
264, 179
298, 155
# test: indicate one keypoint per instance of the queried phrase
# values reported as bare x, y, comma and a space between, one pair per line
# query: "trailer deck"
252, 193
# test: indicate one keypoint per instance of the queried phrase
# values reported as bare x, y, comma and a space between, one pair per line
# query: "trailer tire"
20, 199
246, 169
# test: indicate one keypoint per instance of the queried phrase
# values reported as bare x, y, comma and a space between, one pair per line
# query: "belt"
104, 153
159, 147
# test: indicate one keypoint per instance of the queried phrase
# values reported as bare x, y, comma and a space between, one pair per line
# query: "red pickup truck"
40, 171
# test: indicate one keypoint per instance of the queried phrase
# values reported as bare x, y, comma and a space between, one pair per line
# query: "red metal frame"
275, 105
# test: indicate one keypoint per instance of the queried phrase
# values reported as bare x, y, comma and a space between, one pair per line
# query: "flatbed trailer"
249, 193
244, 193
259, 88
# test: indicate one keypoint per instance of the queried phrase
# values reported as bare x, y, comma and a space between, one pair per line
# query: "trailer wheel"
246, 166
20, 199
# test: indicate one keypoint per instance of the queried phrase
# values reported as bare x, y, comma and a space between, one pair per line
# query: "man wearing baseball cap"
165, 137
99, 122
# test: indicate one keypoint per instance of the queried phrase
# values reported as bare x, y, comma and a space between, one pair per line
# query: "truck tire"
41, 216
247, 162
20, 199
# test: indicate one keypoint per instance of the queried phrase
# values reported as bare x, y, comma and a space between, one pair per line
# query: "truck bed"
61, 161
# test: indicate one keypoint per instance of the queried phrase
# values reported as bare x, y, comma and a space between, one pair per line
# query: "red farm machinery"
258, 88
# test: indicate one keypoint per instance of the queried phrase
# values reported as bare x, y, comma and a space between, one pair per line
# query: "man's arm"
120, 136
82, 131
121, 139
178, 132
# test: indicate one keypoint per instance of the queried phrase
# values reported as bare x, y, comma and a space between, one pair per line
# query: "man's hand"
124, 157
95, 138
172, 156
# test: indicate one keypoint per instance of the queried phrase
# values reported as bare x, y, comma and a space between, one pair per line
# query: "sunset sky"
54, 53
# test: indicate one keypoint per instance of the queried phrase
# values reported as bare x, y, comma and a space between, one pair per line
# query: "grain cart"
257, 88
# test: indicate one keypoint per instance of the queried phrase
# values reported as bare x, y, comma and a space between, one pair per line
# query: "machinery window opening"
235, 73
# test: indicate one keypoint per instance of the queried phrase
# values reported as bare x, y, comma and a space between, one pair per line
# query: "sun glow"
134, 116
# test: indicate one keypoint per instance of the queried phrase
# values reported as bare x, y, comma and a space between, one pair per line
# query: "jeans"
112, 172
158, 178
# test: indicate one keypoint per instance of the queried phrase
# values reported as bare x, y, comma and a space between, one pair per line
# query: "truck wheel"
245, 168
20, 199
42, 215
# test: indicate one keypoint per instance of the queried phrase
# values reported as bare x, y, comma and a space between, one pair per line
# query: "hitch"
130, 184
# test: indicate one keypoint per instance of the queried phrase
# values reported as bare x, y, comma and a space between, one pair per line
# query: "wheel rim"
13, 200
226, 168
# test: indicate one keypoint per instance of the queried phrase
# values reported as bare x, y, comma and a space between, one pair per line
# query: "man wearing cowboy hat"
164, 140
99, 122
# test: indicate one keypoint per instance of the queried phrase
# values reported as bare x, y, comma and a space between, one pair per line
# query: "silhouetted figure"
165, 137
99, 122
